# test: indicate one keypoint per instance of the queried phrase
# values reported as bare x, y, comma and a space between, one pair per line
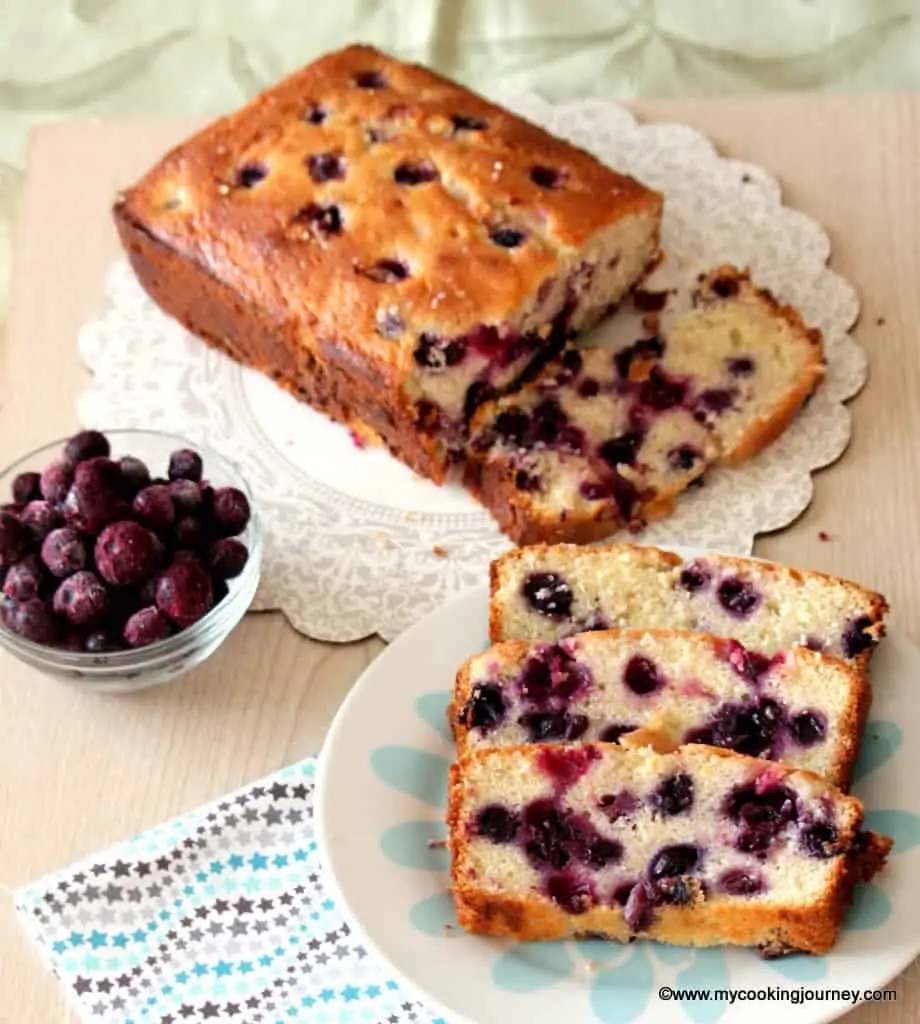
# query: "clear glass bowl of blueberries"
126, 557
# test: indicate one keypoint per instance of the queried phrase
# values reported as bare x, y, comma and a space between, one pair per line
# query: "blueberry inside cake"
606, 438
546, 592
800, 707
696, 847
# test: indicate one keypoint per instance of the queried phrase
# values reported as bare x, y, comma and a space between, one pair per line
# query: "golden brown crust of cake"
776, 930
245, 268
657, 558
851, 722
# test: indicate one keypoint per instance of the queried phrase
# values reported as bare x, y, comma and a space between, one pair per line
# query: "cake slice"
800, 707
697, 847
545, 592
386, 244
606, 438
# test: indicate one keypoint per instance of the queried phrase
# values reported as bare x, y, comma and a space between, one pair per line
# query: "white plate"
381, 795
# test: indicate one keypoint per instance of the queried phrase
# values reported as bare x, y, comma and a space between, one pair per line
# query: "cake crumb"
436, 844
356, 439
407, 517
746, 179
880, 322
591, 966
382, 540
448, 931
439, 551
823, 535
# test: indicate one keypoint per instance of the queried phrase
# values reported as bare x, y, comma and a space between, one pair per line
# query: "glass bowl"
123, 671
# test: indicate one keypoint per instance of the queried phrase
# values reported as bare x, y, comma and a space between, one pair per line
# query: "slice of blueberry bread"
388, 245
607, 438
800, 707
545, 592
697, 847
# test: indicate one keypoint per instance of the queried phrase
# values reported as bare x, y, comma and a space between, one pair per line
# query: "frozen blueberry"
148, 626
134, 472
738, 597
497, 823
485, 708
126, 554
642, 676
90, 509
82, 600
63, 552
100, 642
39, 518
186, 496
188, 534
185, 464
55, 481
184, 593
549, 594
23, 580
154, 507
32, 620
99, 474
14, 539
672, 861
808, 728
227, 558
674, 795
88, 444
231, 511
26, 488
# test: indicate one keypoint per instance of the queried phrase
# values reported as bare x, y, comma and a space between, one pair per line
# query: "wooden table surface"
78, 771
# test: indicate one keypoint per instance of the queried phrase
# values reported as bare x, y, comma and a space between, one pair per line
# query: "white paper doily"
355, 543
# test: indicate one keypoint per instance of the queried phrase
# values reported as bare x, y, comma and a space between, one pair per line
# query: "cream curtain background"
110, 58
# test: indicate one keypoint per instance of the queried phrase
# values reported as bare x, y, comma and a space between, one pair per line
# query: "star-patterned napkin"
219, 915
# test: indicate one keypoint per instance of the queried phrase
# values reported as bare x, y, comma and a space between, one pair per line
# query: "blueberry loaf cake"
389, 246
546, 592
697, 847
800, 707
607, 438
